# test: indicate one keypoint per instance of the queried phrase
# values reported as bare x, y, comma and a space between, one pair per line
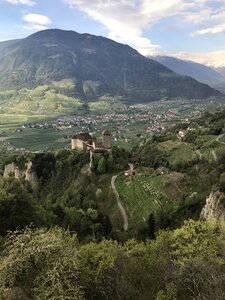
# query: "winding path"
214, 151
218, 139
121, 208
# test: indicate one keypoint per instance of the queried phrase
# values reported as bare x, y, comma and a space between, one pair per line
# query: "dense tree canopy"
187, 263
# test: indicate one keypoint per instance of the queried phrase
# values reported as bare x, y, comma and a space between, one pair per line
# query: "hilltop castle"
84, 142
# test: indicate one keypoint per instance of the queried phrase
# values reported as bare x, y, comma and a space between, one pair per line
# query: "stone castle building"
81, 141
84, 142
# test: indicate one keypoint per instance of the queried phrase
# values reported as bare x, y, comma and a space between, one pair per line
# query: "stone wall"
78, 144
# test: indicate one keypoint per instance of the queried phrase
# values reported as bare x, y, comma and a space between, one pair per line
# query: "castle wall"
78, 144
73, 144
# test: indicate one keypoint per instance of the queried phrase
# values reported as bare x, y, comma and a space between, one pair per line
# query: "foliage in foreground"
187, 263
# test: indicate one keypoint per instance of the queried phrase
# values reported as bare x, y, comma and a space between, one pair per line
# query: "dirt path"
121, 208
218, 139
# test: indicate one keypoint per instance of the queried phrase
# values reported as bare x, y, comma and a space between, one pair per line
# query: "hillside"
95, 66
172, 178
195, 70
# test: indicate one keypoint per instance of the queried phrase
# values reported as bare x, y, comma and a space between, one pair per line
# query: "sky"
191, 29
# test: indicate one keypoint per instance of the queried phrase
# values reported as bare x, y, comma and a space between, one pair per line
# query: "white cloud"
35, 27
214, 58
211, 19
36, 18
211, 30
36, 22
127, 20
24, 2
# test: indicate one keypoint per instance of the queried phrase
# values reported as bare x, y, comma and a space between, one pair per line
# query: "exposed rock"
28, 173
214, 208
19, 173
9, 170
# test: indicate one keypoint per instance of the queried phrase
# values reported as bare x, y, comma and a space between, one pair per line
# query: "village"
155, 117
130, 125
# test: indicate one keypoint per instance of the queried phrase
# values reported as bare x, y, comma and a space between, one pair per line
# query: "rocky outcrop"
214, 208
9, 170
28, 173
14, 171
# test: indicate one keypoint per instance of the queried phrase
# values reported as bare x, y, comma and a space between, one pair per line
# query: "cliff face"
214, 208
13, 170
29, 173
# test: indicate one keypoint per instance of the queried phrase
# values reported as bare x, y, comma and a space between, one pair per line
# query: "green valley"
112, 170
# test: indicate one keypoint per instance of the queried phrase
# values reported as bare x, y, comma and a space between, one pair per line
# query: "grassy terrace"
178, 151
140, 196
144, 192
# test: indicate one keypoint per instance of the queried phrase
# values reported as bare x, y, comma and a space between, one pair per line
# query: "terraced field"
178, 151
140, 197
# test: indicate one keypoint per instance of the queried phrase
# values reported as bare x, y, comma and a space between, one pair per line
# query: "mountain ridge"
97, 66
200, 72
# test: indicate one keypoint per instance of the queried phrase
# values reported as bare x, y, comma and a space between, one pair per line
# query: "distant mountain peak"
218, 64
200, 72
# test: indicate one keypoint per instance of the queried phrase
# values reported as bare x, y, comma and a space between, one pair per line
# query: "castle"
84, 142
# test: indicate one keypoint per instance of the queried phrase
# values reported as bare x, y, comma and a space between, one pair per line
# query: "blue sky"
186, 28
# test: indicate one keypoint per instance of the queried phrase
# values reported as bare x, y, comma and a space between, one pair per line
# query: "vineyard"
140, 197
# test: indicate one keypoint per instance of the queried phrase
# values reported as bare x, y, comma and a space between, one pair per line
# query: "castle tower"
106, 139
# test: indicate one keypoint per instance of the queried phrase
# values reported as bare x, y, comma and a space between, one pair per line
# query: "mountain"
96, 65
195, 70
219, 67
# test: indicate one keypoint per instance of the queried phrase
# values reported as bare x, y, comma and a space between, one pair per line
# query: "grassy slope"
145, 191
178, 151
140, 196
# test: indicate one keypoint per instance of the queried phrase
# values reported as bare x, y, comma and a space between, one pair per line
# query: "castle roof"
106, 132
84, 136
